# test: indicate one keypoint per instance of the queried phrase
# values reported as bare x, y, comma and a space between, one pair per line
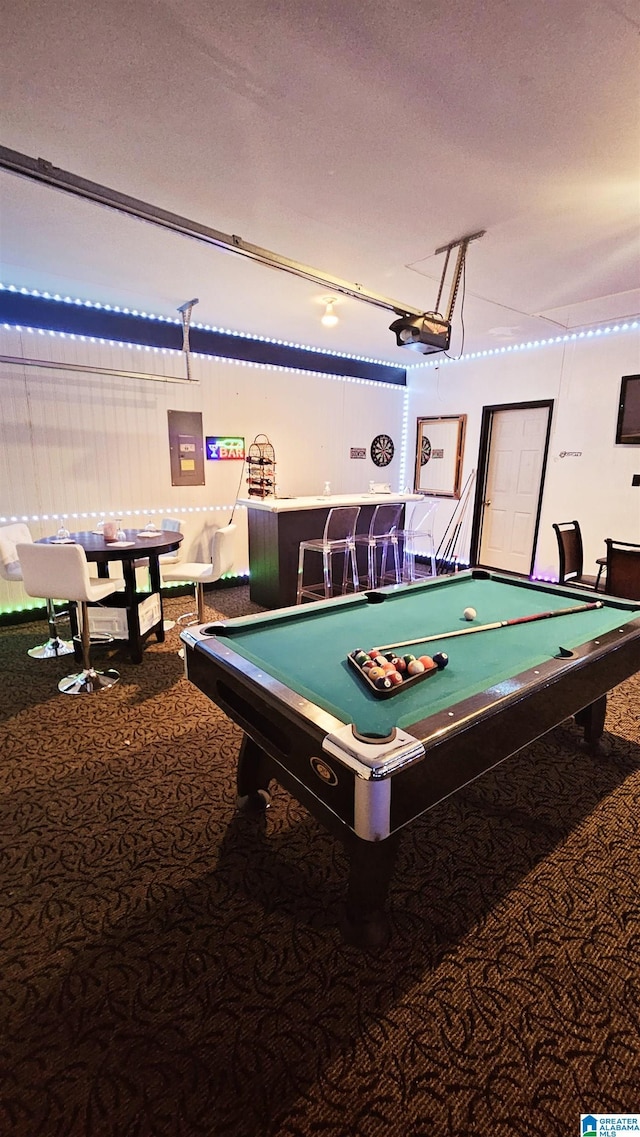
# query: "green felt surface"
307, 649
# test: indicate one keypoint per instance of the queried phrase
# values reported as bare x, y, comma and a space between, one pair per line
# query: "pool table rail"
560, 686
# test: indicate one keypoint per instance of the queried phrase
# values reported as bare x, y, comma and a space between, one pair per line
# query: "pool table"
365, 765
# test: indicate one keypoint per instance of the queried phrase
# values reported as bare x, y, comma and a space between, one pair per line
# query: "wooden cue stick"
451, 520
497, 624
450, 550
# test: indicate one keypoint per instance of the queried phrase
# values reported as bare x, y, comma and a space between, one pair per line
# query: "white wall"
583, 378
80, 444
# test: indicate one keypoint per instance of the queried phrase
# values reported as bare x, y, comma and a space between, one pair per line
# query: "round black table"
101, 552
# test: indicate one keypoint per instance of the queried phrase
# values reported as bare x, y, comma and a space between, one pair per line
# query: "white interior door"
514, 478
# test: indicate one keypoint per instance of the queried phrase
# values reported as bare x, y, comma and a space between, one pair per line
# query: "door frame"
484, 452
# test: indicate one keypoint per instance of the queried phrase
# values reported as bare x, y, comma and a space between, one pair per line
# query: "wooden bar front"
277, 526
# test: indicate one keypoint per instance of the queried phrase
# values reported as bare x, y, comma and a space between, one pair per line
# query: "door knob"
486, 503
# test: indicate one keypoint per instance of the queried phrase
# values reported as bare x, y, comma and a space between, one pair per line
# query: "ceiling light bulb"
329, 320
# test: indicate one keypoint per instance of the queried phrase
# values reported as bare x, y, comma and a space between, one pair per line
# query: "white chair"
62, 572
172, 525
338, 538
201, 573
383, 535
418, 541
10, 569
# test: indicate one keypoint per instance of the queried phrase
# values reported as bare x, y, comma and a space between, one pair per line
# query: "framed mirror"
439, 450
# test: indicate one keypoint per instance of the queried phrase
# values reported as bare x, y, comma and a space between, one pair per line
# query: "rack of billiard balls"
386, 673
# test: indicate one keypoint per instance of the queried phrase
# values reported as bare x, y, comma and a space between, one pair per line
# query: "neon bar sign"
225, 449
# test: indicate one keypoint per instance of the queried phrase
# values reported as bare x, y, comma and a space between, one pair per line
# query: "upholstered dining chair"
623, 569
200, 573
62, 572
11, 569
570, 555
338, 538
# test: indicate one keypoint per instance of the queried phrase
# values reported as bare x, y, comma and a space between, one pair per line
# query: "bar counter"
276, 527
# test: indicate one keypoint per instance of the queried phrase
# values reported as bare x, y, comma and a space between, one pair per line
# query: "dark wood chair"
571, 556
623, 569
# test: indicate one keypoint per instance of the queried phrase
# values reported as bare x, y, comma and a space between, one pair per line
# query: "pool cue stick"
452, 518
497, 624
464, 537
450, 552
461, 501
449, 524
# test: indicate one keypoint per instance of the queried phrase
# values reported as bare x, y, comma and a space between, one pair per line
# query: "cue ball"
470, 613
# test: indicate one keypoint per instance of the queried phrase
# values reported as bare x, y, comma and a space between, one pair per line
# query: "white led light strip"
204, 327
440, 361
568, 337
164, 510
19, 361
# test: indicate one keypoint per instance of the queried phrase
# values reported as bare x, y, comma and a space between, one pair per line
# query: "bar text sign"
224, 449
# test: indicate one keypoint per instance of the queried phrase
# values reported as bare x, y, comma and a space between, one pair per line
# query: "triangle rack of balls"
387, 674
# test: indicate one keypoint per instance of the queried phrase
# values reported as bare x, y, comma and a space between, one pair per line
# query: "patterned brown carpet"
171, 969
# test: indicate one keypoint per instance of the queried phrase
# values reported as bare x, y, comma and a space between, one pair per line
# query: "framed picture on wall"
439, 450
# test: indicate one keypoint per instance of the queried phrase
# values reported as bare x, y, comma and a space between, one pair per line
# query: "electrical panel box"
186, 448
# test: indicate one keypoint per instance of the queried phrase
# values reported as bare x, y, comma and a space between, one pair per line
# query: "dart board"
382, 450
425, 451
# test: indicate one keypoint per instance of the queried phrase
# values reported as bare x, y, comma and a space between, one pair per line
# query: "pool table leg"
591, 719
371, 864
253, 777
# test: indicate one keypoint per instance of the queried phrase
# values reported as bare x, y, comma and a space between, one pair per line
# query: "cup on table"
110, 530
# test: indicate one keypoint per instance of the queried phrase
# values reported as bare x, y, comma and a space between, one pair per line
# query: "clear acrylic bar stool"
338, 539
382, 538
418, 541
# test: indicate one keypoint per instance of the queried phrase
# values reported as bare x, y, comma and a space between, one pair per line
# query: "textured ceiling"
355, 138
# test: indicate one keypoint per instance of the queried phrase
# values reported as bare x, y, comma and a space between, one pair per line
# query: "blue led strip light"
23, 306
